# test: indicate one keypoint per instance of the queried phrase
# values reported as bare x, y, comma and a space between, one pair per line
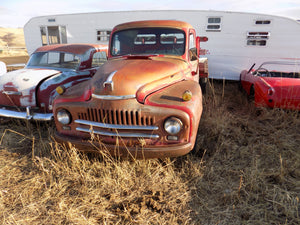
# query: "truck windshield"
162, 41
54, 59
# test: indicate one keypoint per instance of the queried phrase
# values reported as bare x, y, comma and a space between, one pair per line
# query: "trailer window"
44, 36
145, 39
213, 24
262, 22
103, 35
53, 35
257, 38
99, 58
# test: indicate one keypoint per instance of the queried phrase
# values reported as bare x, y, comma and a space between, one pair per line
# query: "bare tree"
8, 38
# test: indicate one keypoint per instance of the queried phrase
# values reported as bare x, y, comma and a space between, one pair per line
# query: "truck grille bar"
116, 116
115, 133
118, 127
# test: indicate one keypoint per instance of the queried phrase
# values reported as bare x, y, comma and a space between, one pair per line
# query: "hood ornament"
109, 84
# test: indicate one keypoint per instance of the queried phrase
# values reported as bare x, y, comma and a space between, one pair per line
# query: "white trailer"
236, 40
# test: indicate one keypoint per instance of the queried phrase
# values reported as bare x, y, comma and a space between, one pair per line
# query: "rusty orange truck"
145, 101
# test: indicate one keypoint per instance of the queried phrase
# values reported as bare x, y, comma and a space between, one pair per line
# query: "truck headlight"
63, 116
173, 125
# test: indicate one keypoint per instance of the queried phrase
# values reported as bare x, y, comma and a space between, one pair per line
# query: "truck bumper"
28, 115
136, 152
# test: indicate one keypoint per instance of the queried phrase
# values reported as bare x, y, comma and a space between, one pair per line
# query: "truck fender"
171, 97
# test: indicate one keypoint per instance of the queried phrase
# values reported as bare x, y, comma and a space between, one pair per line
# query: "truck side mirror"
198, 40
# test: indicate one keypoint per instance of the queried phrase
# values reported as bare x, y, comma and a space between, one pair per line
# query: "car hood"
21, 84
124, 77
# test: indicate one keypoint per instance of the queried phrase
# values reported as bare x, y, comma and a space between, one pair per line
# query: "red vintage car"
274, 84
28, 93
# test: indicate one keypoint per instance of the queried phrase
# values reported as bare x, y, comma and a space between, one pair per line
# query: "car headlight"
64, 117
173, 125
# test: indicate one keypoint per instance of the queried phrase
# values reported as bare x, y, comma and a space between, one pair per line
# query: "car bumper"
137, 152
28, 115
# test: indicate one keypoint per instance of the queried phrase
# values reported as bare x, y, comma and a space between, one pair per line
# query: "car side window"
99, 58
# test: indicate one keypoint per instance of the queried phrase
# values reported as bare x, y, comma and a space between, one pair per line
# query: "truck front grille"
117, 123
116, 116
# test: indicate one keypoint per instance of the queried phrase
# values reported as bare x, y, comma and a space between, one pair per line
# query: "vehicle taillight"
270, 91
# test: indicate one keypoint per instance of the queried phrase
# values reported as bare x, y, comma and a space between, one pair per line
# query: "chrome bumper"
28, 115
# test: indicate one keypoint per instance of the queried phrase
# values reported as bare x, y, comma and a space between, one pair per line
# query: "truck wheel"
197, 150
203, 82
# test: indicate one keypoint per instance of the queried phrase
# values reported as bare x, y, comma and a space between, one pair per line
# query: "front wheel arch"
251, 95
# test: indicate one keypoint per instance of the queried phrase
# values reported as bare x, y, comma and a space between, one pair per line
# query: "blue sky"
15, 13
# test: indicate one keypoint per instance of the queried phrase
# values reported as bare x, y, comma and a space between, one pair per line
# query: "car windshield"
281, 66
279, 69
54, 59
162, 41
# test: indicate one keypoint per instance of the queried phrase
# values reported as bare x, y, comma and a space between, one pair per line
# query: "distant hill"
12, 42
12, 36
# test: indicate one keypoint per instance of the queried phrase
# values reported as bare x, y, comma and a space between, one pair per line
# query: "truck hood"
22, 83
124, 77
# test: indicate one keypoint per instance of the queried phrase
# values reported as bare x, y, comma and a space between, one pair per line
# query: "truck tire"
197, 149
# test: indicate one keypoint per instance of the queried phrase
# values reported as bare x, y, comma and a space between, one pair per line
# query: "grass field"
248, 172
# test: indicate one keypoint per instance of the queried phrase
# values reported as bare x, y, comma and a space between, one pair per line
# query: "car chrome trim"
117, 134
113, 97
109, 81
26, 115
12, 92
113, 126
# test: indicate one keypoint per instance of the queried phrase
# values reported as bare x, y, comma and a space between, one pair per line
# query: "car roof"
71, 48
153, 23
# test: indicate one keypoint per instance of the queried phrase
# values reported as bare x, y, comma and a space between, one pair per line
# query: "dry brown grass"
249, 174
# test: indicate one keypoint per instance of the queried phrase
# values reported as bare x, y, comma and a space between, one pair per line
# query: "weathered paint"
136, 90
24, 82
136, 73
34, 86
